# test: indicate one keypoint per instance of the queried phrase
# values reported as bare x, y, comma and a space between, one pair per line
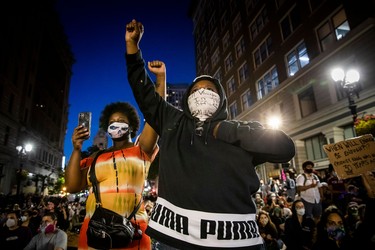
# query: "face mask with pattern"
336, 232
118, 129
203, 103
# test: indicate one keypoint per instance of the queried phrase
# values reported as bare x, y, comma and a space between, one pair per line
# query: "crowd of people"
315, 210
35, 222
209, 194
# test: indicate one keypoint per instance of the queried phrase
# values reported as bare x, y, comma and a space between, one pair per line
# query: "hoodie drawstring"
198, 130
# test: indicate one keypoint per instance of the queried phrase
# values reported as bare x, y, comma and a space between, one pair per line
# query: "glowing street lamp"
274, 122
22, 153
348, 81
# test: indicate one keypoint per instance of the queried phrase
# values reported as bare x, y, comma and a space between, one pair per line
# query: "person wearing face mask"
310, 191
300, 230
206, 165
26, 222
332, 232
35, 219
12, 235
121, 169
50, 237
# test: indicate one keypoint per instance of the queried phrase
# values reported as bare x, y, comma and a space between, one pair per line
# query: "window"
205, 55
226, 41
314, 147
269, 81
349, 132
11, 103
250, 5
290, 23
246, 100
212, 22
263, 51
297, 59
231, 86
279, 3
217, 74
236, 24
214, 39
233, 110
205, 71
215, 57
204, 38
6, 136
243, 72
307, 102
314, 4
257, 25
199, 64
228, 62
224, 20
333, 29
240, 47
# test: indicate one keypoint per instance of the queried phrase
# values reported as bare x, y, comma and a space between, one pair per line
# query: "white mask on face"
300, 211
117, 129
203, 103
11, 223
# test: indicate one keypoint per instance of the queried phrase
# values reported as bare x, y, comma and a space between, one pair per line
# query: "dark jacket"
299, 236
205, 184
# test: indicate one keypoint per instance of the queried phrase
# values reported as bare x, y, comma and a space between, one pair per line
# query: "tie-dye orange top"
120, 194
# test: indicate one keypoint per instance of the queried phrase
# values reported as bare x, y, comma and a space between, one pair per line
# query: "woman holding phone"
121, 169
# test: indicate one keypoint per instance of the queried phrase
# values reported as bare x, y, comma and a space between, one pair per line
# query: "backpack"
304, 182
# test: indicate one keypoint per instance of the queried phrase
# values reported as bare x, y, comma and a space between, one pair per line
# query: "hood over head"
222, 111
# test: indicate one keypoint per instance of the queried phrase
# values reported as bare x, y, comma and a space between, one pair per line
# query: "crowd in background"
22, 215
345, 222
280, 214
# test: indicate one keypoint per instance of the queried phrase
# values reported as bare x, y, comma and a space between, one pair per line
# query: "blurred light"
274, 122
352, 76
338, 74
28, 147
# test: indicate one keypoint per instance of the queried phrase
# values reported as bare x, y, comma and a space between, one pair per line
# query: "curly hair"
122, 107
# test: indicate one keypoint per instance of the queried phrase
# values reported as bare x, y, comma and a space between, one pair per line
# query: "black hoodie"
205, 183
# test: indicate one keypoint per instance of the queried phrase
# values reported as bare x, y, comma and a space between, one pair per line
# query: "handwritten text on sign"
352, 157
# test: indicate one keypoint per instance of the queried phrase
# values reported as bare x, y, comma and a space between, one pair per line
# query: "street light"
274, 122
348, 81
22, 153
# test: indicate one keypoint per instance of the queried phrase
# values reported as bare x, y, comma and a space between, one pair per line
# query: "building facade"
175, 93
275, 57
35, 72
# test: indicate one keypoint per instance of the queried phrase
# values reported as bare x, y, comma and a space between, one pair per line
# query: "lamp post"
348, 81
22, 153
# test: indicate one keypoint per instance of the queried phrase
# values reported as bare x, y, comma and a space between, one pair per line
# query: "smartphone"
84, 119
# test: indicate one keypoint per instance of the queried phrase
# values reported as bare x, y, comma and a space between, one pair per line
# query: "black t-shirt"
15, 239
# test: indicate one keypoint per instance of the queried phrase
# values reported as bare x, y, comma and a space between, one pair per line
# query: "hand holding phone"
84, 119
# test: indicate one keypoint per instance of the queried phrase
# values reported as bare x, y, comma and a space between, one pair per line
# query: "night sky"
96, 30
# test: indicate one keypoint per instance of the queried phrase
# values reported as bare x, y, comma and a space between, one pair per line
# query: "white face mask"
11, 223
203, 103
23, 218
300, 211
117, 129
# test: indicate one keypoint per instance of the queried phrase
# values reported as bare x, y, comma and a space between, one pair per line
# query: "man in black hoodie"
206, 165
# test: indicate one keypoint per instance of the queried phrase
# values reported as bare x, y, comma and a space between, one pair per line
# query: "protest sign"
352, 157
